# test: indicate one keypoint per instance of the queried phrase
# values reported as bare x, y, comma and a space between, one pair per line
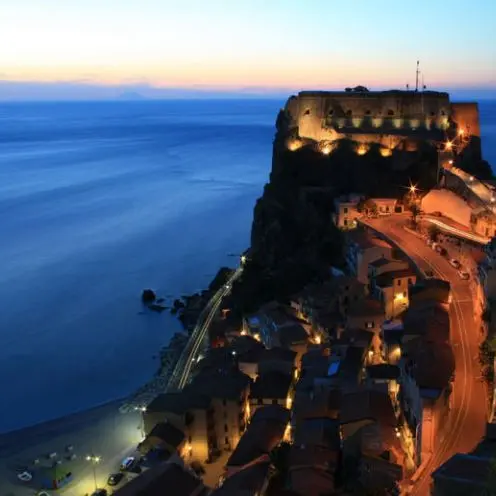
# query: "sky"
244, 45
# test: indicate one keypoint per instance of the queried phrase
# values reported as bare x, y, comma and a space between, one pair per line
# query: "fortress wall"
318, 113
466, 115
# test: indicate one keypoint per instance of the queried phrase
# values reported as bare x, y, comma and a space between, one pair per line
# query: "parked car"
464, 275
114, 479
99, 492
455, 263
429, 242
25, 476
442, 251
128, 463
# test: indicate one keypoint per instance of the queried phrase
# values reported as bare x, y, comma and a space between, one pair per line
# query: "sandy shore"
101, 430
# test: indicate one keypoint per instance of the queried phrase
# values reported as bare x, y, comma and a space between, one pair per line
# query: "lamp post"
93, 459
141, 409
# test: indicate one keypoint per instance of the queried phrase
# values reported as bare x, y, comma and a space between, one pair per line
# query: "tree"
415, 210
433, 232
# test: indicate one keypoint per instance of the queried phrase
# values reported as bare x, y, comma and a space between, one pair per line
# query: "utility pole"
417, 76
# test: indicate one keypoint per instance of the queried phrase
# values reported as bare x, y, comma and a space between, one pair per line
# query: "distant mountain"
131, 95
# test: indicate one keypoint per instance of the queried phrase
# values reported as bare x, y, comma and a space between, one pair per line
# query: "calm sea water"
101, 200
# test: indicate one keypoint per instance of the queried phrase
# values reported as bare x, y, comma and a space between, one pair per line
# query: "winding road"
189, 356
466, 424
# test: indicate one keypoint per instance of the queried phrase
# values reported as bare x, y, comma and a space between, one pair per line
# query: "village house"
163, 440
212, 411
345, 212
363, 247
367, 314
391, 288
391, 339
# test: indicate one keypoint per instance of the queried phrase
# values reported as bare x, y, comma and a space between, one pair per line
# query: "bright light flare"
448, 145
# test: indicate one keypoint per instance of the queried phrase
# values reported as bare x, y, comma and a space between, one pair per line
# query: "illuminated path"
466, 423
189, 356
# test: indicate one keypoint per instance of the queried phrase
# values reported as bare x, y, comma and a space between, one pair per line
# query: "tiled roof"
465, 468
226, 384
388, 278
367, 404
318, 432
166, 432
365, 239
383, 371
178, 403
429, 319
292, 334
423, 357
260, 438
246, 482
167, 475
271, 385
278, 353
365, 308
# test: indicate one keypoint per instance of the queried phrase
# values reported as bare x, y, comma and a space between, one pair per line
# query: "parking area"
84, 449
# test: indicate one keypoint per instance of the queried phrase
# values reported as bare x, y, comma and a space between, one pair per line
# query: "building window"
345, 222
226, 439
367, 112
307, 112
387, 209
331, 112
226, 429
398, 282
369, 325
345, 210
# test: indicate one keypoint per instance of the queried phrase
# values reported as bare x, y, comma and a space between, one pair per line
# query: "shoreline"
27, 437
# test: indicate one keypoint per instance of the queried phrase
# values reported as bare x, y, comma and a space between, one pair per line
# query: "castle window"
390, 112
331, 112
432, 114
367, 112
307, 112
348, 112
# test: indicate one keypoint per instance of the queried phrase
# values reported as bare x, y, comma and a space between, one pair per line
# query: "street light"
94, 460
448, 145
243, 259
141, 409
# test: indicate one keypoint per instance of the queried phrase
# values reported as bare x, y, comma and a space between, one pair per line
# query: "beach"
102, 431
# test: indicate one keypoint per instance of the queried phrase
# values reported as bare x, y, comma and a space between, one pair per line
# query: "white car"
455, 263
25, 476
128, 463
464, 275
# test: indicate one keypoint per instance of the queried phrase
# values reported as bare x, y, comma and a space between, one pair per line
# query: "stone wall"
466, 115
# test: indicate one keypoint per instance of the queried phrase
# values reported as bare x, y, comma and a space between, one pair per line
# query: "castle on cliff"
395, 119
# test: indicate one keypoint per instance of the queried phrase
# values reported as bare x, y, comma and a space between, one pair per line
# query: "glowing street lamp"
243, 259
141, 409
461, 132
448, 145
94, 460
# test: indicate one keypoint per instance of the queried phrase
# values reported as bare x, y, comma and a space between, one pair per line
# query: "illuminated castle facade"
393, 119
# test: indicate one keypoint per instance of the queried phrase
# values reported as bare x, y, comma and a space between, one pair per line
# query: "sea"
100, 200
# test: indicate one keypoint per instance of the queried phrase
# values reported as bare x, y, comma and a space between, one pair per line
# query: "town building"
164, 439
363, 247
367, 314
346, 212
271, 388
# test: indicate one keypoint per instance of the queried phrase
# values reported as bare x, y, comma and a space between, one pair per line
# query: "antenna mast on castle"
417, 76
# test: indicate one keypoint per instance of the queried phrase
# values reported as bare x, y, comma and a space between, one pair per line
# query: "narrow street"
468, 415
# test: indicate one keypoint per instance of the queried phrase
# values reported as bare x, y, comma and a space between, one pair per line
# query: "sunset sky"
239, 44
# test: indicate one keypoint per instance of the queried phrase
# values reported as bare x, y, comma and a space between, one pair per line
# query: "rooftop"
264, 433
367, 404
167, 433
178, 403
278, 353
366, 308
423, 357
318, 432
273, 385
383, 371
166, 475
226, 384
365, 239
427, 318
465, 468
292, 334
388, 279
246, 482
